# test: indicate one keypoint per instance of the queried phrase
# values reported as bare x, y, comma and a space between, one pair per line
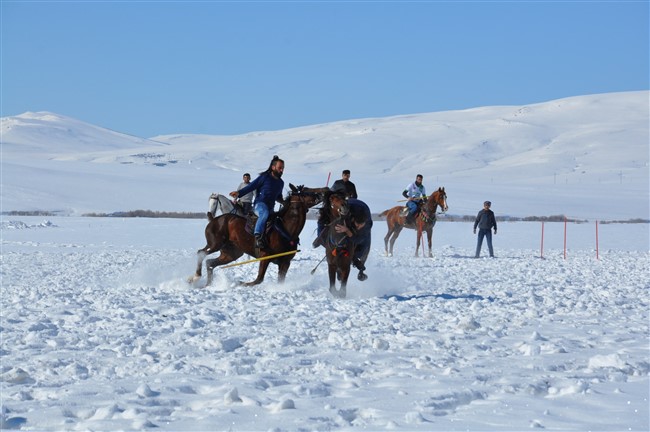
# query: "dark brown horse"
425, 221
338, 247
227, 234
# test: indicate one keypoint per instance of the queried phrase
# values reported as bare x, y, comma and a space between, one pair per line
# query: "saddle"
405, 213
272, 223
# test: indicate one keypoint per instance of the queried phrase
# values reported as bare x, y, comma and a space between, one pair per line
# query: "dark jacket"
485, 220
359, 210
348, 188
269, 189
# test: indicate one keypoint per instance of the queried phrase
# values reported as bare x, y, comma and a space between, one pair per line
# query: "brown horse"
425, 221
227, 234
338, 247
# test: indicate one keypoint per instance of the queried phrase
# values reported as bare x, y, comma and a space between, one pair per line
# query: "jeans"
488, 235
413, 207
262, 212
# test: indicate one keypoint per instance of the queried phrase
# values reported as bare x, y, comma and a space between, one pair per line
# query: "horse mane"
285, 205
324, 214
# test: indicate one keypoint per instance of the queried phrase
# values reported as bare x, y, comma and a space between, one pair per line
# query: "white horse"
225, 205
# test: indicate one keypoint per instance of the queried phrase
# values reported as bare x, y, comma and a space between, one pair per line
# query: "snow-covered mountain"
583, 156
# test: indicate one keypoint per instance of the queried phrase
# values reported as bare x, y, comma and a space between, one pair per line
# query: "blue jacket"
269, 189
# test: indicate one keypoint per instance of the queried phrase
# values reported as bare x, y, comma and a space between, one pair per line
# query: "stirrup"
259, 242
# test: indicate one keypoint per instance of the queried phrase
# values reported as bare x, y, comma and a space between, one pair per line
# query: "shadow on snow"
442, 296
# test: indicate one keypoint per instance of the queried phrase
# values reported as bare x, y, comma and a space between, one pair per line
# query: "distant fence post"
564, 237
597, 240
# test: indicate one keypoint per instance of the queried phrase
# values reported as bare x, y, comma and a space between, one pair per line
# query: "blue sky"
150, 68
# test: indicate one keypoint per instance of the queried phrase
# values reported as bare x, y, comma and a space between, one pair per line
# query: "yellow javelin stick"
260, 259
418, 198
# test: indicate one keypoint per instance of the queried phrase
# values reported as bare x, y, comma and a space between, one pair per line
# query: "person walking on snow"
345, 186
485, 221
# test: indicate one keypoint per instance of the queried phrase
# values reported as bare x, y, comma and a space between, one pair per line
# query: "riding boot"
358, 264
259, 241
410, 218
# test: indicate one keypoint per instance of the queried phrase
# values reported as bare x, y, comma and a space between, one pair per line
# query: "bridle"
430, 215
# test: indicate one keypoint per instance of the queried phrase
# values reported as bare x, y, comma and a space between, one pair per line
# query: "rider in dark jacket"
360, 233
269, 186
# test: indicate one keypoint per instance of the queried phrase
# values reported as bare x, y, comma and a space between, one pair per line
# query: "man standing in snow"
345, 186
485, 221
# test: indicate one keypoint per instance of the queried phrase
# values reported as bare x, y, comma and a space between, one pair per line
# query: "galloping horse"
338, 247
424, 222
227, 234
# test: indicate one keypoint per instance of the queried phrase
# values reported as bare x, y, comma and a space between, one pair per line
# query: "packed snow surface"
100, 331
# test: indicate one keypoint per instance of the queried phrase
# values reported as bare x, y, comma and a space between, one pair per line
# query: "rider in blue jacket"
269, 186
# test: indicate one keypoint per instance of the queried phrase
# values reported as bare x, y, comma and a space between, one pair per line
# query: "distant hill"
583, 155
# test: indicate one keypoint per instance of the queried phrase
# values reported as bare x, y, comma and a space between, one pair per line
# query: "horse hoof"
192, 279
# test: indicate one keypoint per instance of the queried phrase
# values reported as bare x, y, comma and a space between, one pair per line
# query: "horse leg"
260, 274
331, 272
429, 237
283, 268
200, 256
386, 243
226, 256
398, 229
345, 274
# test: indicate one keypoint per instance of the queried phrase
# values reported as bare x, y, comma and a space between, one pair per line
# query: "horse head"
309, 196
338, 205
439, 198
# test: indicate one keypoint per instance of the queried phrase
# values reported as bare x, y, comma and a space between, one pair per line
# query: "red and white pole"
541, 248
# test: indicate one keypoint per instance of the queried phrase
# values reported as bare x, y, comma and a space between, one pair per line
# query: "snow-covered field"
101, 332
